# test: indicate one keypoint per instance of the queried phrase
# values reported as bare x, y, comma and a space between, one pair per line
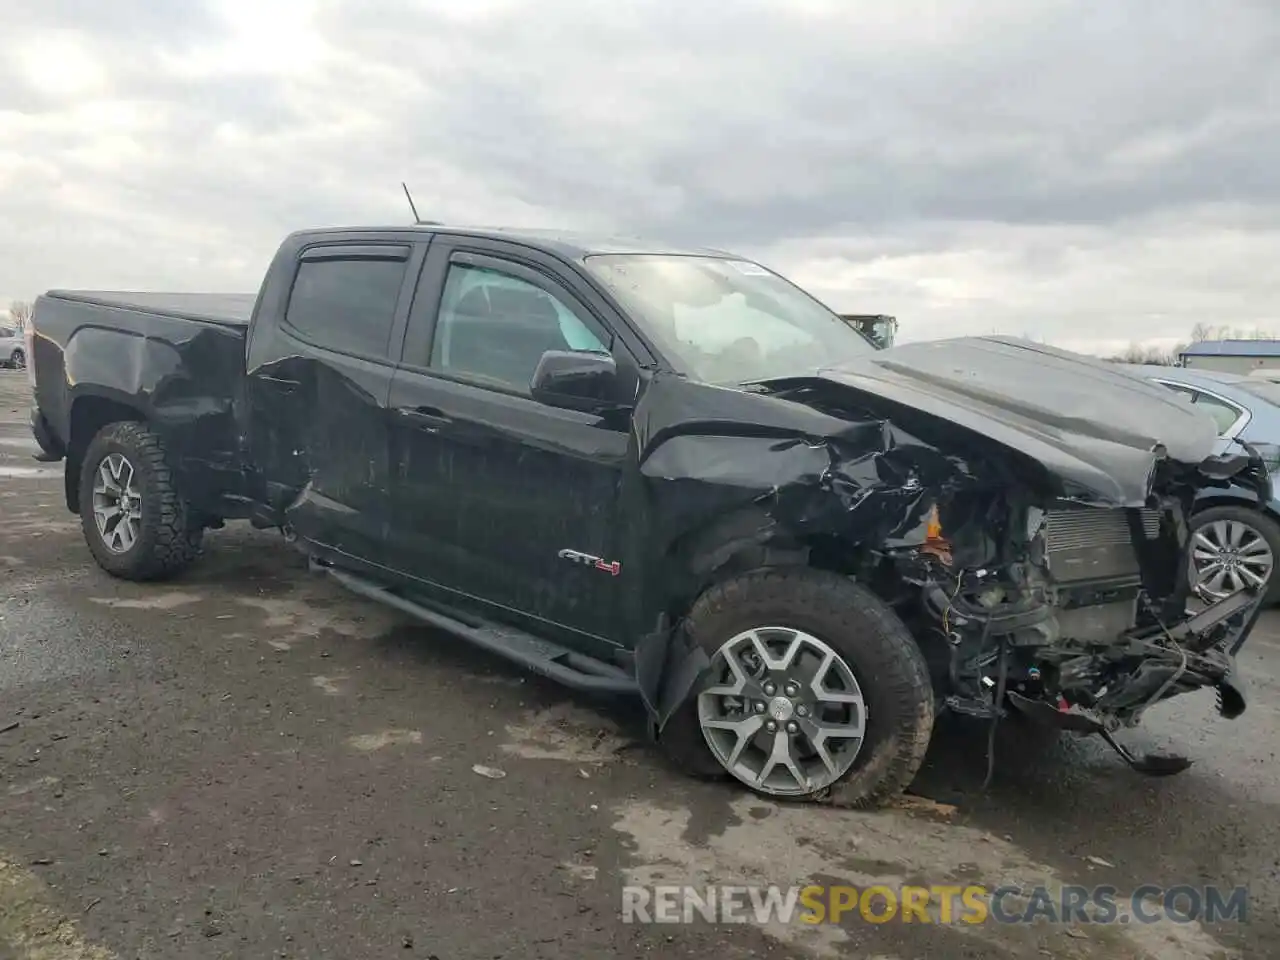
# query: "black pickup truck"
672, 473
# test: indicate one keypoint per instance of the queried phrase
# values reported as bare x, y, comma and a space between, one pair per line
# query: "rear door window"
348, 302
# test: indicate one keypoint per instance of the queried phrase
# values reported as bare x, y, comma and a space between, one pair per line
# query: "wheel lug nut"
791, 727
802, 711
791, 689
771, 726
769, 689
759, 707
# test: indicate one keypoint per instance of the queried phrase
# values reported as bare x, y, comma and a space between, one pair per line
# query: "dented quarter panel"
179, 374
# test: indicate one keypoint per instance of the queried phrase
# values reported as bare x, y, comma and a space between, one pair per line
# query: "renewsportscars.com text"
971, 904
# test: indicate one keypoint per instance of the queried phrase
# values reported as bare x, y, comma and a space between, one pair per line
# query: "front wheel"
817, 691
1233, 547
134, 520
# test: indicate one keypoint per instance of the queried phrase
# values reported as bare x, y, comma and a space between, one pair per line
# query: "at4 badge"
587, 560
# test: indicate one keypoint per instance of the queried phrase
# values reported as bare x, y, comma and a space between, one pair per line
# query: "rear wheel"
135, 522
1233, 547
18, 359
816, 691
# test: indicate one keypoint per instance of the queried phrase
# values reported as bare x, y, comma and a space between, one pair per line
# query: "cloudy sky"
1090, 174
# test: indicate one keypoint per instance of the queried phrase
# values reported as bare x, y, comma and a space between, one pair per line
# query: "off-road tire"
1266, 528
885, 659
168, 541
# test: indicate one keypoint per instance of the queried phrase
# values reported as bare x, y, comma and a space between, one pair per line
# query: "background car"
12, 349
1235, 539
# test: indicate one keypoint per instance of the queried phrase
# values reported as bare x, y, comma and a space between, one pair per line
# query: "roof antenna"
408, 196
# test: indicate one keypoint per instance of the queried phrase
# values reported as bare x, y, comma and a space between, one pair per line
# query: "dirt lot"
250, 763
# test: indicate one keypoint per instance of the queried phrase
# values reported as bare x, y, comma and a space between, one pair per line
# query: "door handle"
427, 416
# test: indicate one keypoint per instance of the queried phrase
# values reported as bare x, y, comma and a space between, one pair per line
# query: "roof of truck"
236, 309
569, 244
232, 309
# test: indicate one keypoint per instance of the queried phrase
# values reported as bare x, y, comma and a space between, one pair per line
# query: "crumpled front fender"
667, 671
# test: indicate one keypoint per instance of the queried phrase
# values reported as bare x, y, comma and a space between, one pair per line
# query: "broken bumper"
1198, 652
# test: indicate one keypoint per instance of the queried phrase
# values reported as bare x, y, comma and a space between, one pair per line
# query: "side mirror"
576, 380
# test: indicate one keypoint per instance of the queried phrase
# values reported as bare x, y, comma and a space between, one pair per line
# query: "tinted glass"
6, 333
496, 327
346, 305
728, 321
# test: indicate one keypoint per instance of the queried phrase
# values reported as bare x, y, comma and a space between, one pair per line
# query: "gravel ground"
248, 762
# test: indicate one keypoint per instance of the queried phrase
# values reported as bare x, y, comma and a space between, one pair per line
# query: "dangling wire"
1002, 678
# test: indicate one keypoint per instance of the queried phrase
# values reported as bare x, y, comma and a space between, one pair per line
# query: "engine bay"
1062, 622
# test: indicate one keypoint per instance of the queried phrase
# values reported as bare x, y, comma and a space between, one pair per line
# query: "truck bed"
174, 361
225, 309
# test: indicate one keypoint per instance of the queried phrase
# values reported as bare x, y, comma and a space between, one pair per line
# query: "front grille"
1092, 543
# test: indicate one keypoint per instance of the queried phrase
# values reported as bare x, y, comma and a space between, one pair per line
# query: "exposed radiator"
1092, 543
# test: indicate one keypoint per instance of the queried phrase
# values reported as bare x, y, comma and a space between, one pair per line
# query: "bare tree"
20, 314
1201, 332
1142, 353
1134, 353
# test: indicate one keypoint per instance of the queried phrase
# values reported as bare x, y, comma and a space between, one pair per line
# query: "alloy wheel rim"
117, 505
784, 713
1227, 555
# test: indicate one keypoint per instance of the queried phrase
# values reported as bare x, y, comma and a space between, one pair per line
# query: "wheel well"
88, 416
1208, 503
826, 553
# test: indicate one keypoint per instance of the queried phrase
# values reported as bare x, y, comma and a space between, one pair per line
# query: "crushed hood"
1087, 421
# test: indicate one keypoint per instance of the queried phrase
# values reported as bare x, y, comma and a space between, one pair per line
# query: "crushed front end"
1071, 613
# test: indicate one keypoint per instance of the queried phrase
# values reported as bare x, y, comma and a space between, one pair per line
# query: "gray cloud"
766, 124
1002, 142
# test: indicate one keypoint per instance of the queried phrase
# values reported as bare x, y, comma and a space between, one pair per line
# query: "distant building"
1232, 356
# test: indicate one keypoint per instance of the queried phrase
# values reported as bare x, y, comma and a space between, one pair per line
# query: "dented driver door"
506, 505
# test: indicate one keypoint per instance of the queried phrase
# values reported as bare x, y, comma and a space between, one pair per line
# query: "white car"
13, 351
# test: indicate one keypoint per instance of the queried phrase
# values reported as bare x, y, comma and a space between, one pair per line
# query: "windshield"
725, 320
